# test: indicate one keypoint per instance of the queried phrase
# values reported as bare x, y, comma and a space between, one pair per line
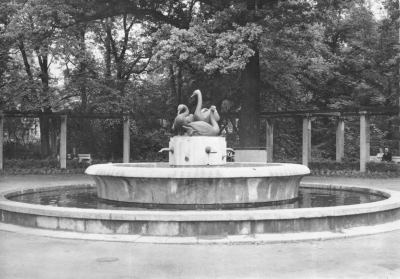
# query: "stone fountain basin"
198, 223
232, 184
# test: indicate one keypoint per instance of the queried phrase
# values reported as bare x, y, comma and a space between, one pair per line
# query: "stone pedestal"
197, 151
157, 185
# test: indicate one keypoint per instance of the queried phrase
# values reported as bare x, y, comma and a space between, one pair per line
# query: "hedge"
319, 168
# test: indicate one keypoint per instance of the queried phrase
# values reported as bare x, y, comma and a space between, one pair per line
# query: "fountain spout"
167, 149
209, 150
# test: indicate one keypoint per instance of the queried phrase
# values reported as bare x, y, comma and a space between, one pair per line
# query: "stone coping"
392, 202
209, 240
230, 170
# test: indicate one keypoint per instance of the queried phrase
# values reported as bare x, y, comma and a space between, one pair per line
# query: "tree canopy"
149, 56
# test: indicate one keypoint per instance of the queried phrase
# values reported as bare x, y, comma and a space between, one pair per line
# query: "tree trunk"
108, 53
44, 120
82, 70
176, 83
249, 125
54, 150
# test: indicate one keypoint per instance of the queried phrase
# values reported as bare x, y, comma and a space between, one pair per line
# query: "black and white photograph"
199, 139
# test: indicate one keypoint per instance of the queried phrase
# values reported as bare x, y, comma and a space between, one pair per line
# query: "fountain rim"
243, 170
392, 202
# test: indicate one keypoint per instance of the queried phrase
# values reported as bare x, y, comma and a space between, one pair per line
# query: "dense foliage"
146, 57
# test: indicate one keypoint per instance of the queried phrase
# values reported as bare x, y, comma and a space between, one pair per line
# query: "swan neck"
199, 101
185, 110
213, 122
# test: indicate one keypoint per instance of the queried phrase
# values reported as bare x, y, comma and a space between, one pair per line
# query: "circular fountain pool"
87, 198
201, 222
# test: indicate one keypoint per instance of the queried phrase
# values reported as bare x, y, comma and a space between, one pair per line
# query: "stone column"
63, 142
1, 139
339, 139
306, 138
126, 151
270, 139
368, 136
364, 140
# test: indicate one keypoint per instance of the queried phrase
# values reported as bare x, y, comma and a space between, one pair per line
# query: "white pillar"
306, 139
1, 139
270, 139
368, 137
363, 140
126, 148
339, 139
63, 142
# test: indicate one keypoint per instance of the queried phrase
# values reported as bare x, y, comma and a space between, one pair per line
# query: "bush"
42, 164
351, 169
348, 168
334, 166
355, 174
47, 166
383, 167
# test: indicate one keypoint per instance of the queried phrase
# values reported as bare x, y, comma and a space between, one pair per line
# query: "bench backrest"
84, 156
394, 158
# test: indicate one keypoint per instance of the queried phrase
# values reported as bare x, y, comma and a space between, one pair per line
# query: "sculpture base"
197, 151
236, 184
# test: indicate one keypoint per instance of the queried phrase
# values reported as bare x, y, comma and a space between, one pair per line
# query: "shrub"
42, 164
383, 167
334, 166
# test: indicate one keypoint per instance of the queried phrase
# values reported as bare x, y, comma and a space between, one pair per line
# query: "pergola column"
339, 139
306, 138
126, 150
1, 139
63, 142
270, 139
364, 140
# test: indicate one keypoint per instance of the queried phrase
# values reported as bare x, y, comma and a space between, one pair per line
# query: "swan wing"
201, 127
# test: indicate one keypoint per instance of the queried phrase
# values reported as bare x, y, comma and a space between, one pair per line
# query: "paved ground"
25, 256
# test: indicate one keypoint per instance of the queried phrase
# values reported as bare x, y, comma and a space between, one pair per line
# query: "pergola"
63, 116
340, 114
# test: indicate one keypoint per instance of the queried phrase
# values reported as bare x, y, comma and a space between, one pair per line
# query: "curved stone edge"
263, 170
230, 239
393, 202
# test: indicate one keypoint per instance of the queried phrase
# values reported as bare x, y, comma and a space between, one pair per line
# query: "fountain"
198, 175
199, 193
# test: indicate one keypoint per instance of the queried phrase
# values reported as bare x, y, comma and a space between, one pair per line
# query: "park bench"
250, 154
84, 158
395, 159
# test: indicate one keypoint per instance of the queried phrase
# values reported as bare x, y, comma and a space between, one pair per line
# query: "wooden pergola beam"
1, 139
306, 157
277, 114
364, 140
63, 142
126, 143
339, 139
270, 139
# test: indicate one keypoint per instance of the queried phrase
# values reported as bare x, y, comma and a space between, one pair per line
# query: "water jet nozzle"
210, 150
167, 149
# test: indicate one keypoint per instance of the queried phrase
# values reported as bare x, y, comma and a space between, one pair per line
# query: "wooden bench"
84, 158
250, 155
395, 159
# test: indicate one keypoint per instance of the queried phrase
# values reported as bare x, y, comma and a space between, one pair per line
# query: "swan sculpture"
202, 114
207, 113
202, 128
182, 119
198, 115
